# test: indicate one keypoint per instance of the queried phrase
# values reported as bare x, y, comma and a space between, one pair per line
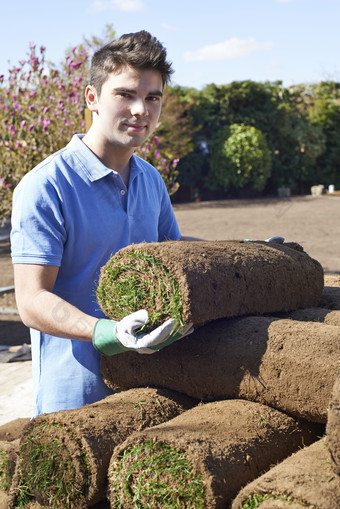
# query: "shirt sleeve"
38, 234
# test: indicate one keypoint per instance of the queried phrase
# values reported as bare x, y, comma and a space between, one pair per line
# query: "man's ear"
91, 98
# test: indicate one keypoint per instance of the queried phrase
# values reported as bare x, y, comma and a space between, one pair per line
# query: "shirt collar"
92, 166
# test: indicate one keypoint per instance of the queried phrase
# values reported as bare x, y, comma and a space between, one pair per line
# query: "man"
76, 209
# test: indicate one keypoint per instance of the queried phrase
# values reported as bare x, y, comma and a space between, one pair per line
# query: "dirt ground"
313, 222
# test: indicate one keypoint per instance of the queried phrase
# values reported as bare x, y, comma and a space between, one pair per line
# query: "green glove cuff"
104, 338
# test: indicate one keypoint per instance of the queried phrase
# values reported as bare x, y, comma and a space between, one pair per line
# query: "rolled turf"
201, 458
333, 427
64, 456
286, 364
203, 281
302, 480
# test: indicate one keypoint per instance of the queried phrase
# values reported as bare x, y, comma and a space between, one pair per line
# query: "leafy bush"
240, 157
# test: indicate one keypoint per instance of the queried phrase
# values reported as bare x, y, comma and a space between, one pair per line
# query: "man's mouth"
136, 127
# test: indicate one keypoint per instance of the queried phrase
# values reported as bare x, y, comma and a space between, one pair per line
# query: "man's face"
128, 108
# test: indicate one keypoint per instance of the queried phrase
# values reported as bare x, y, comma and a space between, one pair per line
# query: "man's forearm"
50, 314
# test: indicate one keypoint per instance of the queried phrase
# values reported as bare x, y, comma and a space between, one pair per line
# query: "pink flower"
45, 110
46, 123
155, 140
157, 154
22, 124
76, 65
33, 93
31, 107
31, 127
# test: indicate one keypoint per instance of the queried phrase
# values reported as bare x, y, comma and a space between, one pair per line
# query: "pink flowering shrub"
40, 109
153, 152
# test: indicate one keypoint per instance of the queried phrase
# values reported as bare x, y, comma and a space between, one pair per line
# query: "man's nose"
139, 107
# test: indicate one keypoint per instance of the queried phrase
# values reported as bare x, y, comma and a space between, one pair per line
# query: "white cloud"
232, 48
120, 5
170, 28
284, 1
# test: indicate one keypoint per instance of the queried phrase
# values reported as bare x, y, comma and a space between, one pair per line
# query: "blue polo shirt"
74, 212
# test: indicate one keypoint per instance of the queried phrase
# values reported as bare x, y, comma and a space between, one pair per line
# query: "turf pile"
64, 456
203, 281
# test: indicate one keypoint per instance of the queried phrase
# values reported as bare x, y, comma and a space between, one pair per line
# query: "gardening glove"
275, 240
110, 337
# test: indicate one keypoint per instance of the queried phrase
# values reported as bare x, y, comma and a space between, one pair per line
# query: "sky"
208, 41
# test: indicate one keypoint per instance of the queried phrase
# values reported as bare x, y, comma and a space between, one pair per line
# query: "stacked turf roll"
201, 458
302, 480
286, 364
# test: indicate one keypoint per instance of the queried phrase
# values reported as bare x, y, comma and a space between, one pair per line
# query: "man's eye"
153, 98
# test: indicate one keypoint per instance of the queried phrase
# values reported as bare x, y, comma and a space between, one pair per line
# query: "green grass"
255, 500
139, 281
5, 478
45, 468
153, 475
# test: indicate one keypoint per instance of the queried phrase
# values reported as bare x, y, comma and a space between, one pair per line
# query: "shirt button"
122, 192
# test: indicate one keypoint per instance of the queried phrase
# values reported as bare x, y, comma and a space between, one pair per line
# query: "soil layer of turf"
303, 480
286, 364
201, 458
64, 456
203, 281
333, 427
8, 458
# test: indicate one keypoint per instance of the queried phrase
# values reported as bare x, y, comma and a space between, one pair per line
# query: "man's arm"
40, 309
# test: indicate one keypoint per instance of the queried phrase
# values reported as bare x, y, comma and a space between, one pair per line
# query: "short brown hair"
139, 50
